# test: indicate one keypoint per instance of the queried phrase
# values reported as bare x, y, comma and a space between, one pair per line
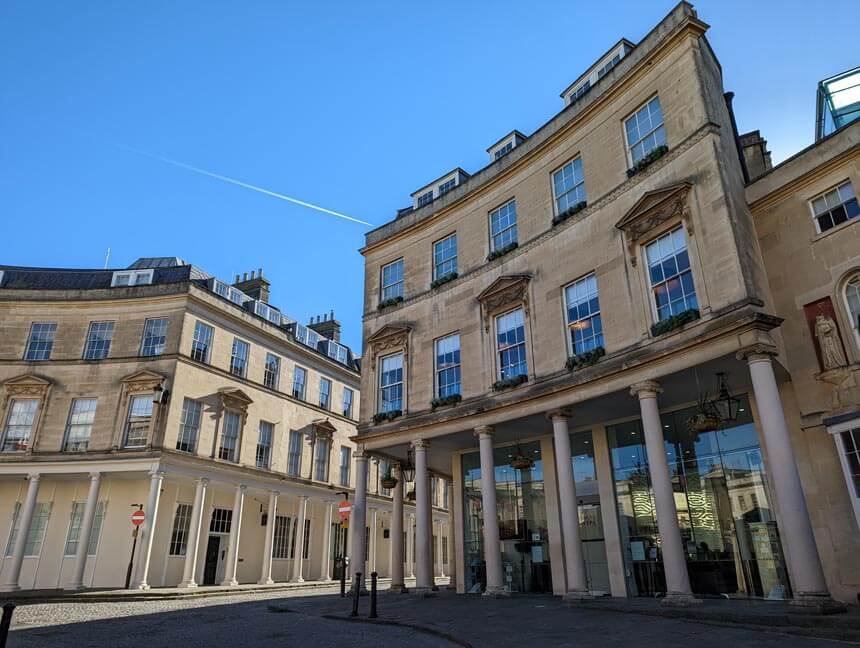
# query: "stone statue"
832, 355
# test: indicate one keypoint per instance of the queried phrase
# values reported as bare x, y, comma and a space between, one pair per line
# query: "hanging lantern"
521, 461
408, 467
725, 405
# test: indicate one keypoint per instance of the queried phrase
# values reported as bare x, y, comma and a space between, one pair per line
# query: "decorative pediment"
27, 385
141, 381
652, 210
389, 337
507, 290
323, 428
234, 398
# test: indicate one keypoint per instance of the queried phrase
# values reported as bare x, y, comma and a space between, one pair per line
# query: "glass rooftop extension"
838, 102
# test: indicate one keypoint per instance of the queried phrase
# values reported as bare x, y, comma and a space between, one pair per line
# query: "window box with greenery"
570, 211
495, 254
444, 401
648, 160
443, 280
384, 417
387, 303
586, 359
510, 383
674, 322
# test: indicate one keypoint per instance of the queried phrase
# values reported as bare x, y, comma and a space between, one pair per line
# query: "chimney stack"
256, 287
327, 326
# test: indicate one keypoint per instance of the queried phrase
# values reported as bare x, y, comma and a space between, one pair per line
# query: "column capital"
483, 431
562, 413
359, 454
420, 444
274, 493
204, 481
34, 476
646, 389
242, 487
757, 352
95, 475
157, 473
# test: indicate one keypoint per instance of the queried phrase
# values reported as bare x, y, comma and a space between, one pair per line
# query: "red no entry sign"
344, 509
137, 518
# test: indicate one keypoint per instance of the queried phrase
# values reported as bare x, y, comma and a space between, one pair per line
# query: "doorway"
214, 558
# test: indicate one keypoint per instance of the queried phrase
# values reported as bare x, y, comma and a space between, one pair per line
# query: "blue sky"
347, 105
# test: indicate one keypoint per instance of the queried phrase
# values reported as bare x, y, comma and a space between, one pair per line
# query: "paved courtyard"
296, 618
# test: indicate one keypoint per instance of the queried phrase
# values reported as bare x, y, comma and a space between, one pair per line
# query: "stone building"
162, 388
600, 338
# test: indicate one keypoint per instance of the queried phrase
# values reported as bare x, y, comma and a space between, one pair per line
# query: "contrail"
239, 183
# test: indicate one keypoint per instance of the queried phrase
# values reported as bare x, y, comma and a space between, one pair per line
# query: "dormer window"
600, 69
131, 278
446, 186
425, 199
438, 188
505, 145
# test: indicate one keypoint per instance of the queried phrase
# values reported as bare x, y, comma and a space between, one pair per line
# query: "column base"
74, 587
577, 596
143, 586
265, 581
297, 580
422, 592
680, 599
496, 591
187, 584
229, 582
816, 603
398, 588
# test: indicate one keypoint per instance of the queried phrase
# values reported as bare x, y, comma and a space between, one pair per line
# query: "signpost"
137, 519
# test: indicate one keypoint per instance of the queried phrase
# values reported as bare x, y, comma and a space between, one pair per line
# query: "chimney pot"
244, 276
259, 272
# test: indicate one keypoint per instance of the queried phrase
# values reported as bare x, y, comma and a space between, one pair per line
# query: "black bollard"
373, 576
342, 577
5, 622
356, 594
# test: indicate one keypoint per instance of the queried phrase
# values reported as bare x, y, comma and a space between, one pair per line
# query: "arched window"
852, 299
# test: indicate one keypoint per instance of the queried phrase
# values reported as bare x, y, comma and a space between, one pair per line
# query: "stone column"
371, 567
410, 545
191, 547
84, 532
233, 541
396, 544
577, 584
156, 478
298, 561
431, 568
492, 543
325, 567
25, 517
672, 548
424, 577
810, 588
439, 540
358, 518
269, 544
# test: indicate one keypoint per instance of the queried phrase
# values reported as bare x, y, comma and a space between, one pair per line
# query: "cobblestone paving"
228, 622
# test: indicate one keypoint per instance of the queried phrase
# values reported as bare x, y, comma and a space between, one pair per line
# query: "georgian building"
159, 387
600, 337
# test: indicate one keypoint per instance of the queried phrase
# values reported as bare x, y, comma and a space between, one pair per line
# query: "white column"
373, 525
396, 543
492, 543
233, 541
358, 518
25, 517
156, 478
191, 547
298, 561
325, 566
86, 527
439, 540
431, 547
424, 582
269, 544
577, 585
410, 545
810, 588
671, 546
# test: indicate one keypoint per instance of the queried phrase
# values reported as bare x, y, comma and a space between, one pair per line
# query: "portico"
693, 508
